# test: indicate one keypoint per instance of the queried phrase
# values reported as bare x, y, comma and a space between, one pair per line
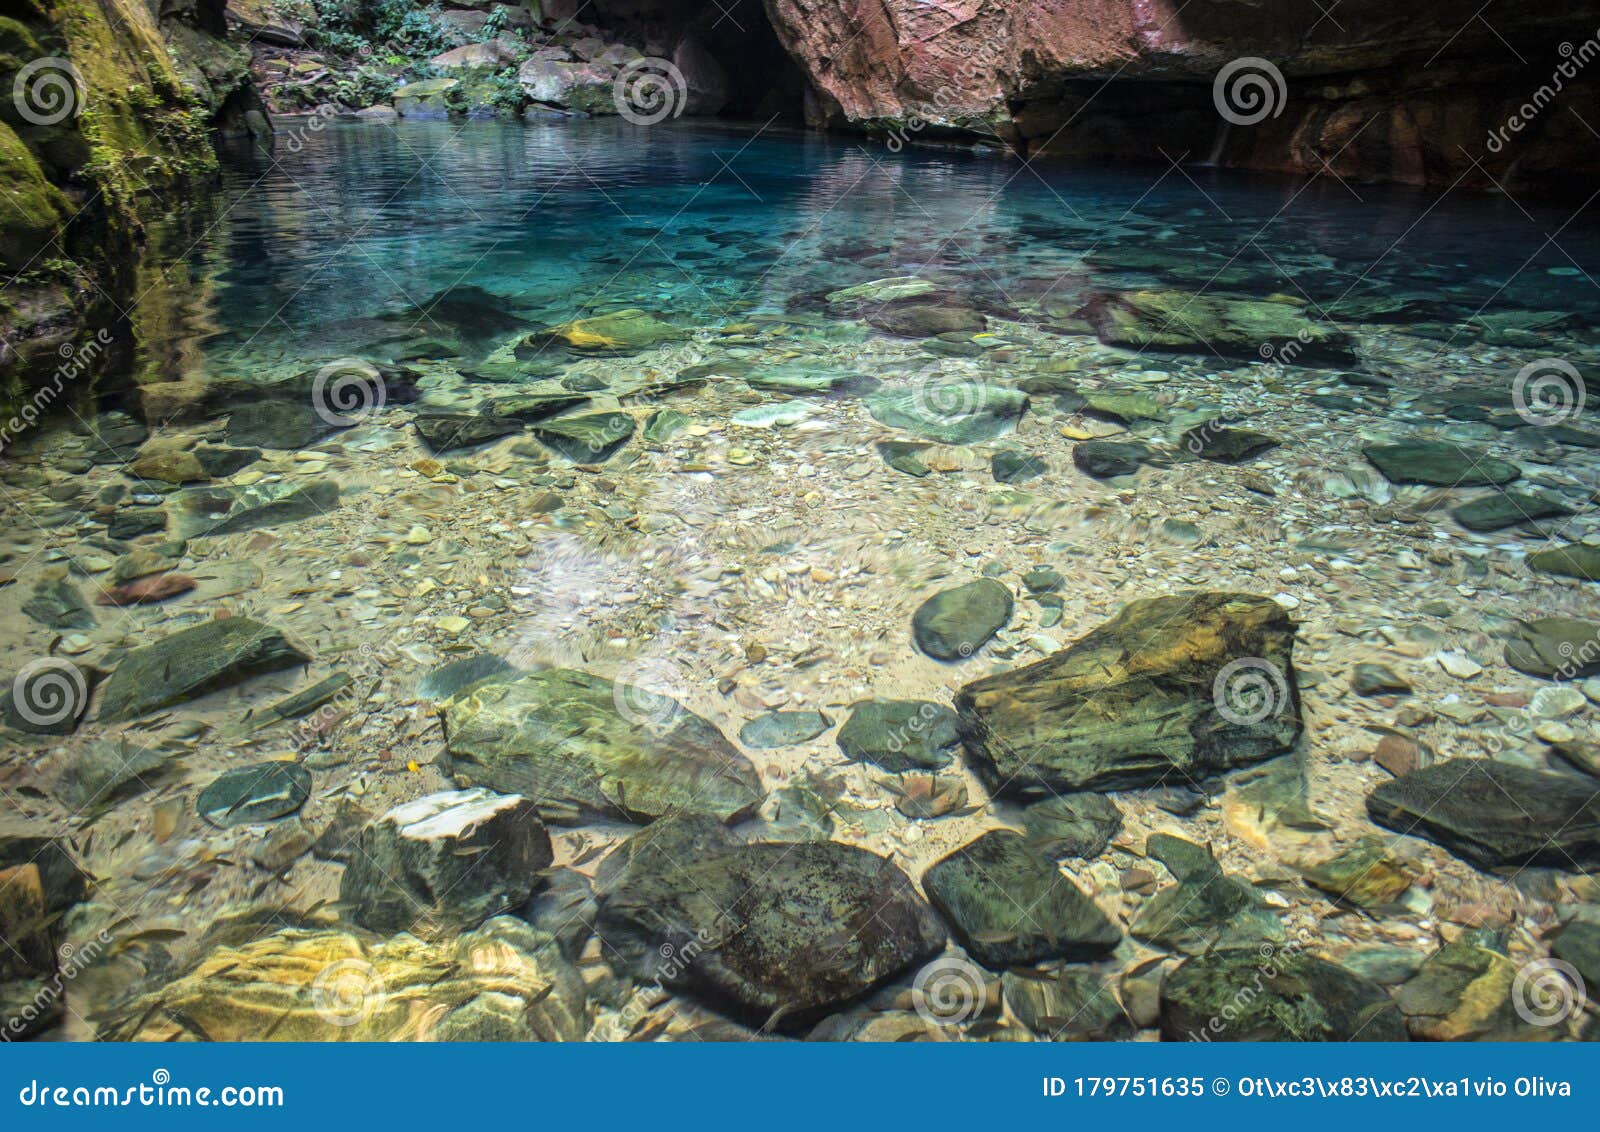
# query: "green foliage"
365, 86
359, 27
506, 93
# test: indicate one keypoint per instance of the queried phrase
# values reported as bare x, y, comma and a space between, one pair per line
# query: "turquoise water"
702, 223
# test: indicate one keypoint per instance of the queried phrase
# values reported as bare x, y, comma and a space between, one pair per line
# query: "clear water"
700, 224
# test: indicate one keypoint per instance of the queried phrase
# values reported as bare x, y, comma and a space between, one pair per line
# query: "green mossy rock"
561, 738
953, 624
192, 662
900, 735
949, 412
1292, 997
1575, 560
1172, 687
1439, 464
1198, 323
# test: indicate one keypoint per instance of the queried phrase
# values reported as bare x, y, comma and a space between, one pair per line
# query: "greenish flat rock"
949, 412
1575, 560
1439, 463
590, 439
953, 624
883, 290
1072, 825
57, 604
1463, 992
902, 456
1067, 1006
534, 406
107, 770
1009, 905
1204, 910
1367, 874
801, 377
192, 662
1557, 648
1494, 814
1127, 408
619, 332
276, 424
781, 414
900, 735
562, 738
450, 679
1227, 445
1104, 459
664, 425
1503, 509
1191, 322
1010, 466
1295, 997
446, 432
783, 729
224, 510
1182, 858
255, 794
1176, 687
1579, 944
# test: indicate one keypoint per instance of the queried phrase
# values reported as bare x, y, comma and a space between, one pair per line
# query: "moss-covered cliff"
104, 122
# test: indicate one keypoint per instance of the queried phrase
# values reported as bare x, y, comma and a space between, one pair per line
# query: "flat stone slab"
1439, 464
561, 738
953, 624
192, 662
1295, 997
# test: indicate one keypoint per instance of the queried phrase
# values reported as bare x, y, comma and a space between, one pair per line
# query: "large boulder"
192, 662
1172, 687
445, 861
1495, 814
575, 744
585, 87
774, 933
505, 982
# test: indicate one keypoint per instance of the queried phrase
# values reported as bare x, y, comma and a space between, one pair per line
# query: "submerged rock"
619, 332
1439, 463
1072, 825
1205, 909
1067, 1006
953, 624
1198, 323
192, 662
1467, 993
1507, 509
446, 861
1250, 995
1227, 445
276, 424
1104, 459
1172, 687
1557, 648
1010, 466
1367, 874
775, 933
505, 982
223, 510
56, 603
1009, 905
578, 744
254, 794
783, 729
950, 412
925, 319
1494, 814
900, 735
590, 439
1575, 560
446, 432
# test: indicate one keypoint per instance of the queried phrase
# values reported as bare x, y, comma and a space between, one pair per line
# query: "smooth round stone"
954, 624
